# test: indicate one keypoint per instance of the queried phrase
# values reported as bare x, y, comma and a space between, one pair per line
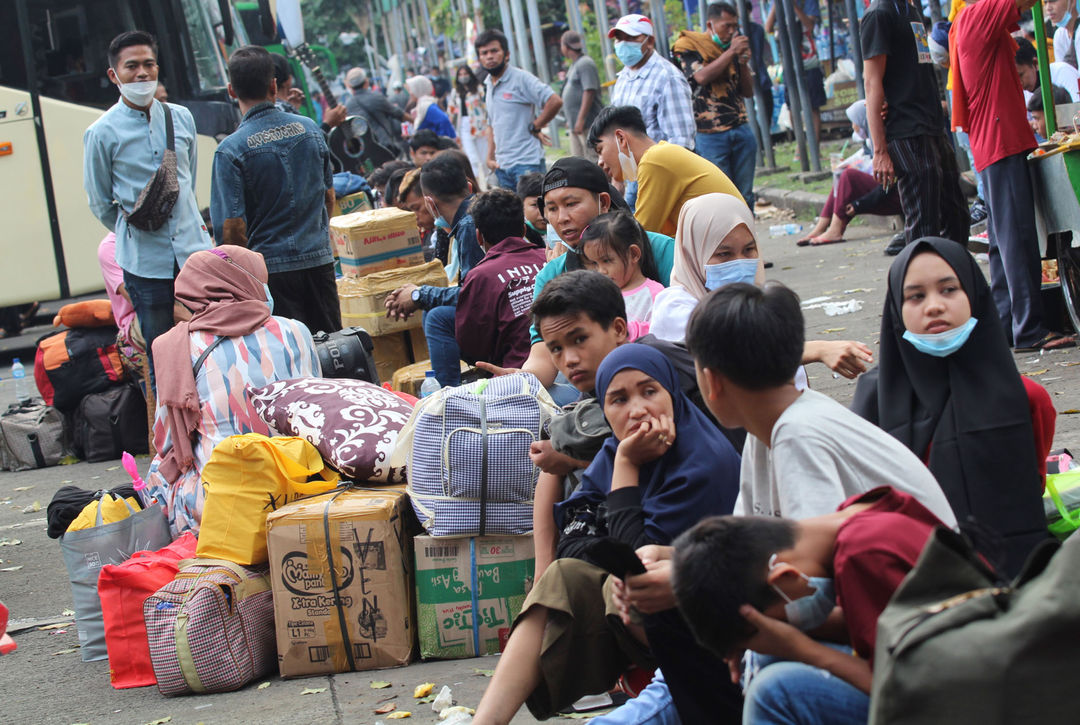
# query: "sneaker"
896, 245
978, 211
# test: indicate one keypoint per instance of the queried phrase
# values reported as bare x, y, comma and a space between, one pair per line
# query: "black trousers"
308, 295
929, 183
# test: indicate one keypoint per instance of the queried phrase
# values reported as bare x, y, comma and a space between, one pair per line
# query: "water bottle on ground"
430, 384
18, 372
780, 230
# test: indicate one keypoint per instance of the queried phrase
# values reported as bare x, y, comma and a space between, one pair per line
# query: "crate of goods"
363, 299
409, 378
352, 203
397, 350
371, 241
468, 591
341, 573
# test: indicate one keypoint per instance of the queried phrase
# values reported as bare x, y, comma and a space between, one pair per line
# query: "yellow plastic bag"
247, 477
112, 509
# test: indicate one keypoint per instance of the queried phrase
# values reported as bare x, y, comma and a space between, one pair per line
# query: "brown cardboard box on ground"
372, 616
371, 241
351, 203
363, 299
452, 596
397, 350
409, 378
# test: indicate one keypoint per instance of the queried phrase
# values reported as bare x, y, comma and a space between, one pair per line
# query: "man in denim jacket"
273, 191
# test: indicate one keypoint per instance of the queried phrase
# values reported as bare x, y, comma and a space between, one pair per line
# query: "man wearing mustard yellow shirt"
668, 175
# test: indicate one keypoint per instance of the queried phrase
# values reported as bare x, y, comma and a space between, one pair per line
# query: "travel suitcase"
33, 435
111, 422
212, 628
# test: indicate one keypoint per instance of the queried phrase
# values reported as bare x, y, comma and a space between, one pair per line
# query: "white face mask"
139, 93
627, 163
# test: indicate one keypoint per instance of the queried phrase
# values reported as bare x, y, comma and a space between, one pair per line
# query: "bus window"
206, 47
12, 68
71, 41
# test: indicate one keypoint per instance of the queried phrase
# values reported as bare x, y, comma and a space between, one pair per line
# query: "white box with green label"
468, 591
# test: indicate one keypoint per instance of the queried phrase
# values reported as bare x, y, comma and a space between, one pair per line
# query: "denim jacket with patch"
273, 172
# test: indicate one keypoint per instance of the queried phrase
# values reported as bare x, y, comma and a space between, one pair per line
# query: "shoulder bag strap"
170, 140
205, 354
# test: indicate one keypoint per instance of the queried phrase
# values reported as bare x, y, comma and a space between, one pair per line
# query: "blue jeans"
445, 354
652, 706
735, 152
785, 693
508, 178
153, 302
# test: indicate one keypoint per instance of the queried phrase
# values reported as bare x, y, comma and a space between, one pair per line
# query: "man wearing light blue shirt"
123, 150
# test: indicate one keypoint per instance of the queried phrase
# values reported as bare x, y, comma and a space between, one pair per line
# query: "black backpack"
110, 422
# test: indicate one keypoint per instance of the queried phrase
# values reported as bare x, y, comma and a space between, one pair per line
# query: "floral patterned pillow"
354, 424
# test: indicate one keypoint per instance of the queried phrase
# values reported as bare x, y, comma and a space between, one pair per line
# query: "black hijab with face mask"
968, 410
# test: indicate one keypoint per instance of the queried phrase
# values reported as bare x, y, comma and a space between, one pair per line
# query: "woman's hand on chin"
651, 440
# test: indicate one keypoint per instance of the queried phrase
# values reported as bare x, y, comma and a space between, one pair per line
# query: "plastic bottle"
430, 384
18, 372
780, 230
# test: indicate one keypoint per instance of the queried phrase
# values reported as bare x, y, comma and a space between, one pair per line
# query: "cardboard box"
397, 350
371, 540
371, 241
446, 607
409, 378
351, 203
363, 299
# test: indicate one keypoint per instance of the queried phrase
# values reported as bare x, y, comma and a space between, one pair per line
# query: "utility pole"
755, 106
573, 14
603, 25
791, 82
656, 10
508, 31
856, 45
520, 32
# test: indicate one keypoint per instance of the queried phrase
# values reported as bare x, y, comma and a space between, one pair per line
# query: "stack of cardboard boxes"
379, 251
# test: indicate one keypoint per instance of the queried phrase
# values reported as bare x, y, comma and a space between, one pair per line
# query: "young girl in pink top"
615, 245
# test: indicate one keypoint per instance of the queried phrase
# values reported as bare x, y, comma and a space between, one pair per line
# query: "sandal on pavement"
819, 242
1052, 341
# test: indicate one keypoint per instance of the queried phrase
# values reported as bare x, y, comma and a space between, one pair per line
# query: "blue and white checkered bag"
468, 469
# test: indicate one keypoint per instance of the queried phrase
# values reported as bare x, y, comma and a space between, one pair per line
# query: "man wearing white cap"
383, 117
651, 83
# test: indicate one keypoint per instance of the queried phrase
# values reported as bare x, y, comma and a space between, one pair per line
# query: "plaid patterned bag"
212, 628
469, 472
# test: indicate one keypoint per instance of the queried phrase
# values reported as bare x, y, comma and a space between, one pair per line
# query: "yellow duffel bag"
247, 477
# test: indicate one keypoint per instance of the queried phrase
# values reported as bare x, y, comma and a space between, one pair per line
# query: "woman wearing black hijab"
947, 387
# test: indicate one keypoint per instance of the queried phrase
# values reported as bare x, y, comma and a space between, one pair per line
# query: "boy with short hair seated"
804, 451
760, 583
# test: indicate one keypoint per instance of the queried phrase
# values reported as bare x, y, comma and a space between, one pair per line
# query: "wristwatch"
533, 129
416, 295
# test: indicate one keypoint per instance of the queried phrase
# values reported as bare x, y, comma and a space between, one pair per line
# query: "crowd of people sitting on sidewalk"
765, 518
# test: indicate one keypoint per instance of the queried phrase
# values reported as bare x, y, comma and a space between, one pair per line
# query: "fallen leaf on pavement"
22, 488
426, 699
379, 685
424, 689
61, 625
390, 707
1070, 411
66, 651
313, 690
1033, 373
12, 568
833, 329
264, 685
10, 542
485, 673
160, 720
399, 715
113, 468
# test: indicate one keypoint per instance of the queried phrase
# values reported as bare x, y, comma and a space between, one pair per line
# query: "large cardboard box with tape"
352, 203
341, 574
397, 350
363, 299
468, 591
371, 241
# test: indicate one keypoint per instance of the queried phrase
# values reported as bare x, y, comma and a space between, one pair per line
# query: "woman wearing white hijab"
428, 114
714, 246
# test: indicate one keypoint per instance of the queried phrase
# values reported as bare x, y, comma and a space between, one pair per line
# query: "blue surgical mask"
552, 238
628, 53
942, 344
737, 270
809, 612
269, 297
441, 223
